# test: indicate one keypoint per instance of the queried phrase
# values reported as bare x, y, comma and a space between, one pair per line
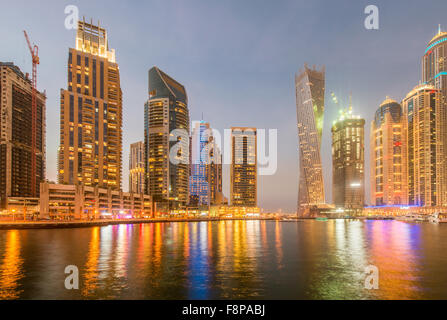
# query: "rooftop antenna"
350, 102
439, 28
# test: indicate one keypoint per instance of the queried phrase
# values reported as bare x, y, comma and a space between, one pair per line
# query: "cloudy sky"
237, 60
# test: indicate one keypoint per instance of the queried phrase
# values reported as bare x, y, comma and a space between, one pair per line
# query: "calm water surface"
228, 260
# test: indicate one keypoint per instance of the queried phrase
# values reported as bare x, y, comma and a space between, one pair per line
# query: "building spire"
439, 29
350, 102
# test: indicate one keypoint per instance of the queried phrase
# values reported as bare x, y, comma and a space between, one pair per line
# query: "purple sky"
237, 60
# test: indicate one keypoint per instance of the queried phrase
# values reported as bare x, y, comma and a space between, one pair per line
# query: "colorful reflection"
228, 260
11, 267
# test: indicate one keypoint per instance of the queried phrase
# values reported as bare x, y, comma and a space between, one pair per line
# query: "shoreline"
20, 225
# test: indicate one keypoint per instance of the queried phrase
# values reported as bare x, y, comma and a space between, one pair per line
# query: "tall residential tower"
136, 167
348, 163
434, 73
425, 128
205, 181
166, 141
243, 171
91, 113
388, 149
16, 152
309, 85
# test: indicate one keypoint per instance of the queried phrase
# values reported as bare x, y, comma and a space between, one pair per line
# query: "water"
228, 260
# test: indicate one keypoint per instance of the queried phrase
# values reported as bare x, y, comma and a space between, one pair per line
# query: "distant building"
388, 149
243, 174
214, 173
199, 187
166, 110
425, 127
91, 113
205, 186
348, 163
309, 85
16, 137
136, 167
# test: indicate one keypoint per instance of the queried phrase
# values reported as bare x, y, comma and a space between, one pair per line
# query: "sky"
237, 60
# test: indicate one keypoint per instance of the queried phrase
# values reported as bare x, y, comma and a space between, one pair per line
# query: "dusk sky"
237, 60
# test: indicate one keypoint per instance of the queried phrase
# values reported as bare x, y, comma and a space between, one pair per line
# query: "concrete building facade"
17, 181
85, 202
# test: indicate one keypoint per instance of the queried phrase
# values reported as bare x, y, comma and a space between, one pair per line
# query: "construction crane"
34, 50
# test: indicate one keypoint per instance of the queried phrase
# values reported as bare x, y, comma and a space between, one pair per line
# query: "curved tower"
309, 85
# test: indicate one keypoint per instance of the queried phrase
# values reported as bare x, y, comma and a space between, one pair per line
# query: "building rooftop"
420, 87
437, 39
388, 100
93, 39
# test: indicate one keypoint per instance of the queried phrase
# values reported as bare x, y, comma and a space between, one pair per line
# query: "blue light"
442, 73
434, 44
393, 206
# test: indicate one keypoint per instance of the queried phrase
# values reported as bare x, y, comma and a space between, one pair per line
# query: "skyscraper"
16, 152
309, 85
243, 172
166, 125
348, 162
205, 184
424, 125
434, 64
199, 188
388, 149
214, 172
91, 113
434, 73
136, 167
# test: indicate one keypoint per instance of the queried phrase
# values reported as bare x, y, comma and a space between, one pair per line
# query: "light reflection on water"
228, 260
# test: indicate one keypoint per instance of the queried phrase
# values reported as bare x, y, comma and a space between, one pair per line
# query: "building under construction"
16, 145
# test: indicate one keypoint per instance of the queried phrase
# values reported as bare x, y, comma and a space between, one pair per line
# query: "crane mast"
34, 50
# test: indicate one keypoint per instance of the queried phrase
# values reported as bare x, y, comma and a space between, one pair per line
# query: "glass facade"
309, 85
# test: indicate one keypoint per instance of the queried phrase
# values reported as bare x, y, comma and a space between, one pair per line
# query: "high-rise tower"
205, 181
166, 124
199, 187
91, 113
309, 85
348, 162
243, 172
136, 167
16, 136
434, 73
388, 149
424, 125
434, 63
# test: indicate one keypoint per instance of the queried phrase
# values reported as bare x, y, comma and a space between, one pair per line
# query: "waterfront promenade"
48, 224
